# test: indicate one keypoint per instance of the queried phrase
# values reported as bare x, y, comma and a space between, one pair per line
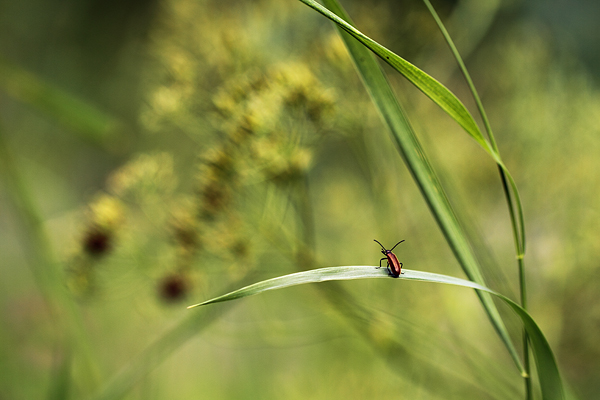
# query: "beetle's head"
383, 249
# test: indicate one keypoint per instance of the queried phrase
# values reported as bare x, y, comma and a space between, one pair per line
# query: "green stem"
47, 271
519, 241
307, 225
145, 362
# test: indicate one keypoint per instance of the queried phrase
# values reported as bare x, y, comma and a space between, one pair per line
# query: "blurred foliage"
173, 148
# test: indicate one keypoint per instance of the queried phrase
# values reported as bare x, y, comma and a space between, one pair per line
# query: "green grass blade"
433, 89
79, 116
550, 380
142, 364
424, 82
299, 278
43, 263
516, 219
410, 149
60, 382
437, 92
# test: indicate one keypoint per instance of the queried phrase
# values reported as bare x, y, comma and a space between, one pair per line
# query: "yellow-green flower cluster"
104, 219
269, 122
143, 176
272, 120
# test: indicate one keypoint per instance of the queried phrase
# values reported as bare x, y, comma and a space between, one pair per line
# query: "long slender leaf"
75, 113
519, 232
61, 381
43, 262
142, 364
410, 149
436, 91
550, 381
424, 82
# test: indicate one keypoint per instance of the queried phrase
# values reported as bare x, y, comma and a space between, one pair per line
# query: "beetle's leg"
384, 258
401, 268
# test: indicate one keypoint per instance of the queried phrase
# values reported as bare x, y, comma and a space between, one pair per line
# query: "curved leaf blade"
437, 92
433, 89
549, 376
298, 278
516, 218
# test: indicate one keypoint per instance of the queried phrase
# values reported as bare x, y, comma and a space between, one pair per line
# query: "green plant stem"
47, 271
141, 365
39, 252
519, 239
307, 225
79, 116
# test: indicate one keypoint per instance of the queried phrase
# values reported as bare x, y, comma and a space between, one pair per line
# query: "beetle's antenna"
397, 245
379, 244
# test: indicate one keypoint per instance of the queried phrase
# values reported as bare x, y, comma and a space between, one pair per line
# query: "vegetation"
212, 145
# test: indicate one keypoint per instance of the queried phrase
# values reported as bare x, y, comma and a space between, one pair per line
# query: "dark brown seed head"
173, 288
97, 241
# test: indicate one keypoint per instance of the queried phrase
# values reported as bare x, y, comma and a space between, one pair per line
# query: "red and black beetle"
393, 265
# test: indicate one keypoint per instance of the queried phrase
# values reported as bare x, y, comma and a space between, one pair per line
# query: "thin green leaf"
71, 111
550, 381
60, 383
438, 93
314, 275
42, 261
517, 220
411, 151
166, 344
424, 82
433, 89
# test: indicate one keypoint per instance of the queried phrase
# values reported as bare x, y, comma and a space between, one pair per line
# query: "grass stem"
519, 241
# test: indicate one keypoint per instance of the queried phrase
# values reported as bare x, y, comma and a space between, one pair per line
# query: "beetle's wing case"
394, 264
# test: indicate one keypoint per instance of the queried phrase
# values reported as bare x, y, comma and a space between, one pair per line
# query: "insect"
393, 265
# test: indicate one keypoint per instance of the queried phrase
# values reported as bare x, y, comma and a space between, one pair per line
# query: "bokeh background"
155, 154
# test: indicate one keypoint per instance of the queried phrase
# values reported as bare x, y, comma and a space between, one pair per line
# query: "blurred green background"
155, 154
